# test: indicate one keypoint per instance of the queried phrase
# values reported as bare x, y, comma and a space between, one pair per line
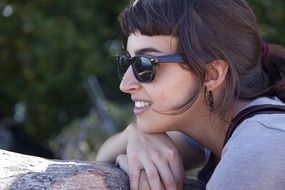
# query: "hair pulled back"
209, 30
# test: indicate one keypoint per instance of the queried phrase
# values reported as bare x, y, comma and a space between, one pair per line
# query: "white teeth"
142, 104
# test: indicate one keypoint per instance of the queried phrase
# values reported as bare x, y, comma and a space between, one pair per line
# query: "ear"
215, 74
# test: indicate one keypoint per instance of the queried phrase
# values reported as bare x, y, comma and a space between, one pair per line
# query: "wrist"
129, 131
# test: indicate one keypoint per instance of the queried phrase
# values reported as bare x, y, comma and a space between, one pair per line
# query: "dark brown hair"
208, 30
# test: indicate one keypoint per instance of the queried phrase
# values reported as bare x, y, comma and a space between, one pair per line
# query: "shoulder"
258, 134
254, 155
259, 127
262, 127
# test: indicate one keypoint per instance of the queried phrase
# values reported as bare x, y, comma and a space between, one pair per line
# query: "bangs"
151, 17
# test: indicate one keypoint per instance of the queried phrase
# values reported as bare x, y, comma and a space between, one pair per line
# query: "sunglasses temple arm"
171, 58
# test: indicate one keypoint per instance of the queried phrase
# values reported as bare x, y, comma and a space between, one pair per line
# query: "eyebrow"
146, 50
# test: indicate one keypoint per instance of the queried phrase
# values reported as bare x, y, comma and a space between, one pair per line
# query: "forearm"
113, 147
191, 157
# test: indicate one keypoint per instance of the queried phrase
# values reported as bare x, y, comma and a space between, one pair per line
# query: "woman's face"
172, 86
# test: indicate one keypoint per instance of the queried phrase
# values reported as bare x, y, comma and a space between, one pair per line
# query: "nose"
129, 83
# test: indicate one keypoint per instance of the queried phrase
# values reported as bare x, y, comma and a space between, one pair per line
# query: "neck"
210, 129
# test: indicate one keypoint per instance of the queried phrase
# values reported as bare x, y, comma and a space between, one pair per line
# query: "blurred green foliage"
271, 19
49, 47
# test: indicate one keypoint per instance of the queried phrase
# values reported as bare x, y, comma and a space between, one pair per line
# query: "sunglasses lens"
143, 69
123, 64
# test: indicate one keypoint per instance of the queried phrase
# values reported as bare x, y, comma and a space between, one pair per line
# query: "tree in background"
49, 48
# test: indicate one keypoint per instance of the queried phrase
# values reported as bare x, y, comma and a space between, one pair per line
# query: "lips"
141, 106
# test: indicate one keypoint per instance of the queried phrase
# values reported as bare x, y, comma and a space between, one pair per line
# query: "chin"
150, 127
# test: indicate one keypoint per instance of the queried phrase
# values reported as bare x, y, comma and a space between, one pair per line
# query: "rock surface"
18, 171
24, 172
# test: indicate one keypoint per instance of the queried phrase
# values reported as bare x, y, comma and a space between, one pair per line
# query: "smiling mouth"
142, 104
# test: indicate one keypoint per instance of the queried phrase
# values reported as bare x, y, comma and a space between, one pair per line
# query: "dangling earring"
210, 99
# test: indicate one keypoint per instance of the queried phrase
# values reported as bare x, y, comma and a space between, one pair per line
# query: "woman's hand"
154, 154
122, 161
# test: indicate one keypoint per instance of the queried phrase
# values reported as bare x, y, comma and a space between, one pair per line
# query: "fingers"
175, 164
143, 182
166, 176
155, 157
165, 172
170, 170
152, 174
134, 173
177, 170
122, 161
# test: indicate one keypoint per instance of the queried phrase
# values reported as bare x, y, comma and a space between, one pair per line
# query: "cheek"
173, 93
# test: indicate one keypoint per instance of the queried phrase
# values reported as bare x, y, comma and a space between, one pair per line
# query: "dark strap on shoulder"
250, 112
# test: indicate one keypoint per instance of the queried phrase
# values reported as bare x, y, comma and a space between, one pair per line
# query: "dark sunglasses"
144, 66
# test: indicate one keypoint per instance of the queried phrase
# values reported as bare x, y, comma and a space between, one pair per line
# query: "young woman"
192, 67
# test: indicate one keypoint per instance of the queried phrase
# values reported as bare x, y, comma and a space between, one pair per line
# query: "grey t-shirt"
254, 157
